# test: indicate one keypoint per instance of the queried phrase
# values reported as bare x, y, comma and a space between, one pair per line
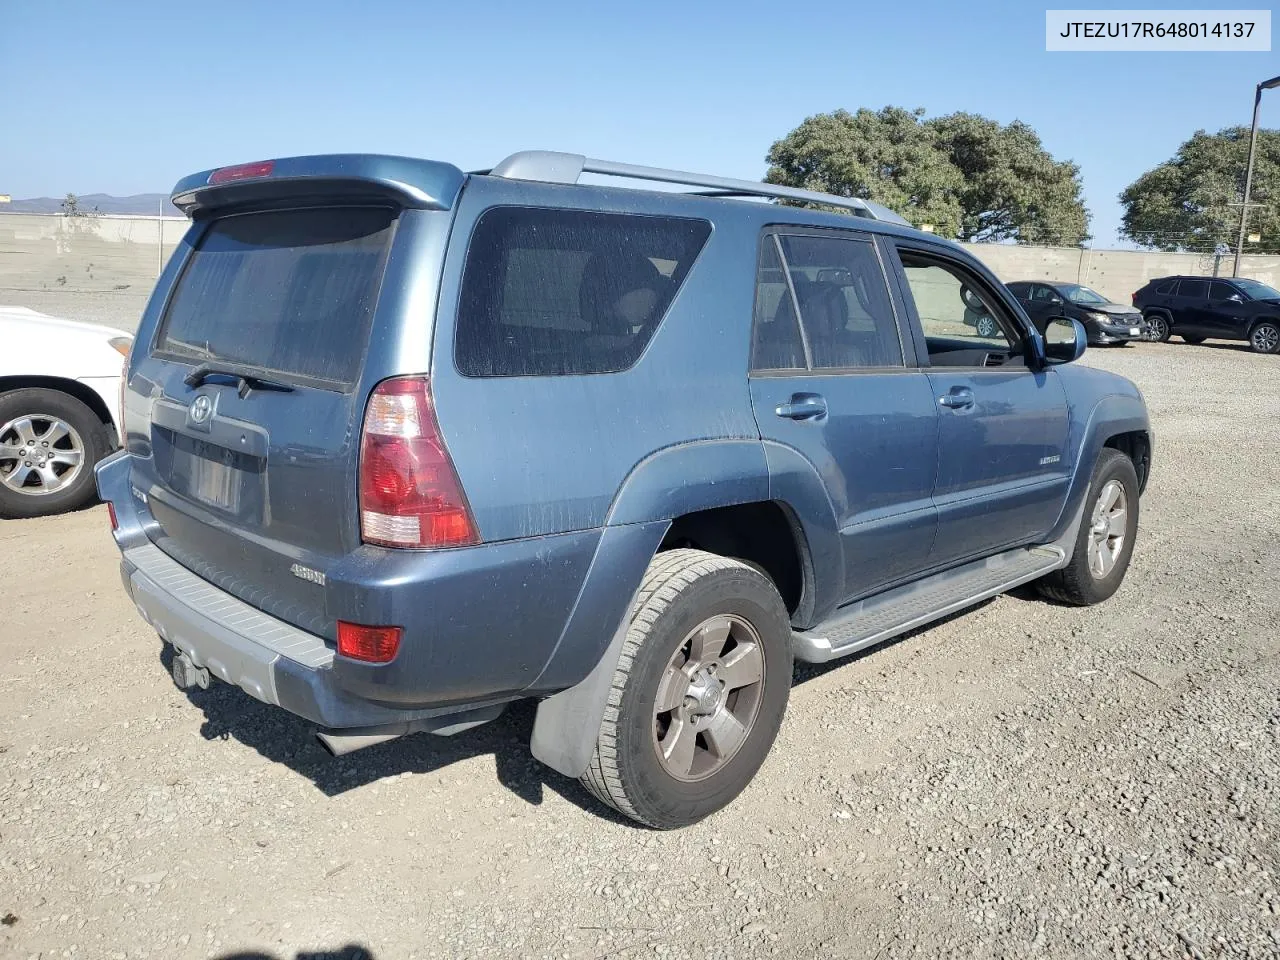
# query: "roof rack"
547, 166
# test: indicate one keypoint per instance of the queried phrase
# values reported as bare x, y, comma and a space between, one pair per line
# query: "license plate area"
213, 475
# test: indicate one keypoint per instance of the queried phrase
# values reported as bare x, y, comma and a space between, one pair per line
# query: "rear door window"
549, 292
845, 307
1195, 289
289, 291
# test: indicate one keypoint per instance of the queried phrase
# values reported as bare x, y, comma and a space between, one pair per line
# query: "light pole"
1248, 170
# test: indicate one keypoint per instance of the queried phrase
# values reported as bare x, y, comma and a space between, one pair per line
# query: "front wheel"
986, 327
1104, 544
1265, 338
1159, 327
699, 691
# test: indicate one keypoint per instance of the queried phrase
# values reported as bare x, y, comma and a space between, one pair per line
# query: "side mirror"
1055, 299
1235, 297
1064, 340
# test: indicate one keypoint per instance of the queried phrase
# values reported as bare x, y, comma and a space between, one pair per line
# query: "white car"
59, 409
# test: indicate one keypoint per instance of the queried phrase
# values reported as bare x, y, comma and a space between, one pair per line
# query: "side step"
876, 619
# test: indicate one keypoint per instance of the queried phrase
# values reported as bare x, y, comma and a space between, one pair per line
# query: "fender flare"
1111, 416
579, 674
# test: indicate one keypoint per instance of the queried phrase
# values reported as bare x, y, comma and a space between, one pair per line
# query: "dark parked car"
405, 444
1212, 308
1105, 321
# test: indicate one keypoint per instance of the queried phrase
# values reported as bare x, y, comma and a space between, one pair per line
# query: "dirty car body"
575, 375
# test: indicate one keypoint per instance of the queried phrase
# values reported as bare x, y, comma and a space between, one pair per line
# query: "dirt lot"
1023, 780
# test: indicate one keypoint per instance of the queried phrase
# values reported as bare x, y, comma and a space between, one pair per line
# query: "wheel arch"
73, 388
658, 508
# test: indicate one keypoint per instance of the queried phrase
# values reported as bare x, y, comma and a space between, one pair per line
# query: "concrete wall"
1116, 274
103, 268
85, 268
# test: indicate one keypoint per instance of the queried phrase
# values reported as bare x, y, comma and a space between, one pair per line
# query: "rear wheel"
1265, 337
49, 443
986, 327
699, 691
1158, 323
1194, 341
1104, 544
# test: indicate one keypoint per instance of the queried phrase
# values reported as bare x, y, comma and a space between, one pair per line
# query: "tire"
985, 327
1265, 337
1159, 326
683, 592
59, 477
1079, 583
1194, 341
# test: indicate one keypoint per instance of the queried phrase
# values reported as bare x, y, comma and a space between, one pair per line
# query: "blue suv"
405, 444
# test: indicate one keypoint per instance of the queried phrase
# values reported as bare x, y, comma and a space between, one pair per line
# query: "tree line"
974, 179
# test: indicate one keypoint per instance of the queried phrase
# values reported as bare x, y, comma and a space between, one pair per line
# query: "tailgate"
254, 411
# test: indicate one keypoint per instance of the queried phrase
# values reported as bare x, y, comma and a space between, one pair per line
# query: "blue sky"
126, 97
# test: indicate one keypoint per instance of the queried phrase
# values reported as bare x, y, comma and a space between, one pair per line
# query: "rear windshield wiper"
246, 381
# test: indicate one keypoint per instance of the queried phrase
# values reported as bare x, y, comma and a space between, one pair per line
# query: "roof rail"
547, 166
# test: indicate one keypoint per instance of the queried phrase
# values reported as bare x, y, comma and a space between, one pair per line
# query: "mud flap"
566, 725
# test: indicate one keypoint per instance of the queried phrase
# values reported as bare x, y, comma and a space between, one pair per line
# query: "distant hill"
146, 204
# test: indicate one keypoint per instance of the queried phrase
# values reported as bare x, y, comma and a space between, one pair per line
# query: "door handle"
803, 406
958, 399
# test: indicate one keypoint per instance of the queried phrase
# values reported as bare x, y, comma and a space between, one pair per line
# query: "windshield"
1078, 294
1258, 291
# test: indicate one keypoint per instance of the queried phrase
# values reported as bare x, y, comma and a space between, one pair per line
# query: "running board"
876, 619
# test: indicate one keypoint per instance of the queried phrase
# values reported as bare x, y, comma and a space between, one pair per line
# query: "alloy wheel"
708, 697
40, 454
1108, 528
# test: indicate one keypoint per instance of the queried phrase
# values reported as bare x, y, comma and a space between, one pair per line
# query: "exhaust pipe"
340, 744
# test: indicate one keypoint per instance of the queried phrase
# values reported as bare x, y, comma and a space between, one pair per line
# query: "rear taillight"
111, 515
371, 644
243, 171
409, 491
1134, 297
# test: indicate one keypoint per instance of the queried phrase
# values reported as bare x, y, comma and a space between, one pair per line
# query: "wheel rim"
1266, 338
708, 697
1108, 528
40, 454
986, 327
1159, 329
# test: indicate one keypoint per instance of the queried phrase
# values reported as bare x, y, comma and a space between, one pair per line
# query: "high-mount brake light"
243, 171
410, 495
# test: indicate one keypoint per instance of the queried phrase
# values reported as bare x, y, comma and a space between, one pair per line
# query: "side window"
549, 292
776, 343
1222, 291
845, 307
1166, 288
963, 323
1196, 289
1043, 294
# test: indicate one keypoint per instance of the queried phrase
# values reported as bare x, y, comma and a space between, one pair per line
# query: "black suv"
1211, 308
1104, 321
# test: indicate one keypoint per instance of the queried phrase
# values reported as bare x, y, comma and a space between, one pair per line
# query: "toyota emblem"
201, 409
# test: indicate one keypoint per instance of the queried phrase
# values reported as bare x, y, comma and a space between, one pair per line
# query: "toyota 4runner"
403, 445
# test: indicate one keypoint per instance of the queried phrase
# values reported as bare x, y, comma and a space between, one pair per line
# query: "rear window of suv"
289, 291
549, 292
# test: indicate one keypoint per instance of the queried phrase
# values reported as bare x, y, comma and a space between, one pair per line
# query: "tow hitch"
186, 674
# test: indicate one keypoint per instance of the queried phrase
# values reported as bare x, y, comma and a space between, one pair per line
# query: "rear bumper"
267, 658
453, 665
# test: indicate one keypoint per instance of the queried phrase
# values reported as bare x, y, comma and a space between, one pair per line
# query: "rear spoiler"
424, 184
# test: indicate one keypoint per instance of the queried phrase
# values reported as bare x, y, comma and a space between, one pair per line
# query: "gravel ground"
1021, 780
